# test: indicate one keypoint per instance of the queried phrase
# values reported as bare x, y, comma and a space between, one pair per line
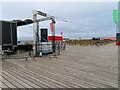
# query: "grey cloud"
97, 15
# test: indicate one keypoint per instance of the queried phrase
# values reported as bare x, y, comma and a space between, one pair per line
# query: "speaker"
44, 35
14, 33
118, 37
8, 33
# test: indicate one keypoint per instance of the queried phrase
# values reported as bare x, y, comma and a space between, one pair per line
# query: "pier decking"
77, 67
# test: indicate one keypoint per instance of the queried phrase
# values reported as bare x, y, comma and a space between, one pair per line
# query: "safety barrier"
45, 48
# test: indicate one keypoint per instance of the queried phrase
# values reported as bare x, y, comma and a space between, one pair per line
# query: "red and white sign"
57, 38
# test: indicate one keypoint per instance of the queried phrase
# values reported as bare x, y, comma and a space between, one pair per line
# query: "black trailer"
8, 35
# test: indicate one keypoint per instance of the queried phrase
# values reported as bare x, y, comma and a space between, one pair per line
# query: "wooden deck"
77, 67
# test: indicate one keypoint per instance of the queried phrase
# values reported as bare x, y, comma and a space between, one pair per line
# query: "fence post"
59, 48
1, 53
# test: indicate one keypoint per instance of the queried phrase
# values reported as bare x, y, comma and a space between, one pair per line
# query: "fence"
20, 54
45, 48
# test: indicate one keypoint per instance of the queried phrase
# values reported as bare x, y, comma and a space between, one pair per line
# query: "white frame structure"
36, 21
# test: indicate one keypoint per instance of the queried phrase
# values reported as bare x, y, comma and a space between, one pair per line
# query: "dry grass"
89, 42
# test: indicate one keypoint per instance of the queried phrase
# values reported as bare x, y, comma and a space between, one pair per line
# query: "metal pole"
53, 36
34, 34
37, 37
118, 38
116, 28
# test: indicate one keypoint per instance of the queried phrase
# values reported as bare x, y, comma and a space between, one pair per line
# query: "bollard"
40, 54
26, 59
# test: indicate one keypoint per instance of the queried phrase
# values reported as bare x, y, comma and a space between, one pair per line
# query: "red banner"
51, 26
57, 38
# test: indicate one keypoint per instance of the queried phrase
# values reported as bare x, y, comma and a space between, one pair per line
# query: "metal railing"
45, 48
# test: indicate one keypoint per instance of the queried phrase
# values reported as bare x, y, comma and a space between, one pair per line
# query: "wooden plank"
27, 84
4, 85
13, 80
77, 67
33, 77
54, 80
8, 83
35, 65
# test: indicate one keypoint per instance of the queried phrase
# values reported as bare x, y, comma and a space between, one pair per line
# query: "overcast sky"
89, 19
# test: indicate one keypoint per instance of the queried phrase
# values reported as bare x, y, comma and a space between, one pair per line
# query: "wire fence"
20, 54
45, 48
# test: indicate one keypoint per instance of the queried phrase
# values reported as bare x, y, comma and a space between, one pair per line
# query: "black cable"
80, 24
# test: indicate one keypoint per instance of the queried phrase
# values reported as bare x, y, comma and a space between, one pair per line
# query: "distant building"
66, 38
96, 38
109, 38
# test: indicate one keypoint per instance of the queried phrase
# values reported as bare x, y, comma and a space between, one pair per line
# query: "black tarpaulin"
21, 22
